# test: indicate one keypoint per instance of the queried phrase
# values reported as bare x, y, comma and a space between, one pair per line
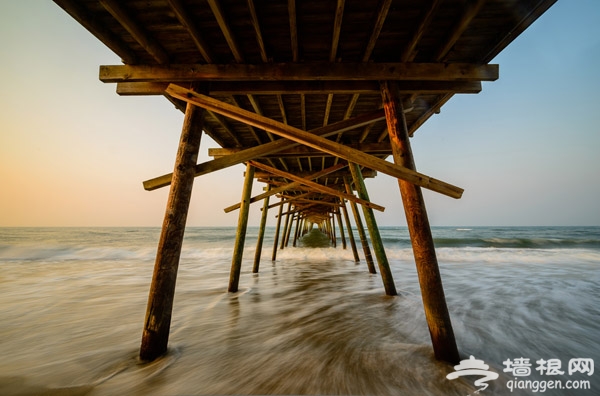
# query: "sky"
526, 149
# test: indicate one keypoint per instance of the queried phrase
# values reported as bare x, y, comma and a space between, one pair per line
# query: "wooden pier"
312, 96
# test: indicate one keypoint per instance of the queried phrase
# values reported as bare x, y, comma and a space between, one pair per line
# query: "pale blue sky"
74, 153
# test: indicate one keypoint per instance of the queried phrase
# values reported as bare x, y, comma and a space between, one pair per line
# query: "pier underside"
312, 96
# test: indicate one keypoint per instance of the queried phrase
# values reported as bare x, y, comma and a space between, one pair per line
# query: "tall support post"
430, 280
296, 231
339, 220
157, 324
289, 230
240, 237
333, 233
350, 233
361, 231
382, 261
261, 233
274, 255
285, 225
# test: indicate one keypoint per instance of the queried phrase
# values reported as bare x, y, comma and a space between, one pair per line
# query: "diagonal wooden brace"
317, 186
317, 142
267, 149
288, 186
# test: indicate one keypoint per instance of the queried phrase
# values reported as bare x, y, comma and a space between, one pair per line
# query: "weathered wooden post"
238, 250
155, 336
350, 233
382, 261
289, 229
275, 244
361, 231
331, 219
286, 225
430, 280
261, 233
339, 220
297, 230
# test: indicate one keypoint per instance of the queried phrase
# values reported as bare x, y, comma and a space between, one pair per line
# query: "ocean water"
73, 300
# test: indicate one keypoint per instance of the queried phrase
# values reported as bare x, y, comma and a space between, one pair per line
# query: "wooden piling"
297, 230
333, 233
289, 229
261, 234
434, 301
285, 226
277, 227
361, 231
382, 261
339, 220
350, 233
238, 250
155, 335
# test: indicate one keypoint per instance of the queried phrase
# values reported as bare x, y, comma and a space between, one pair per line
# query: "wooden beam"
266, 149
225, 125
309, 139
95, 27
136, 30
187, 20
319, 71
408, 52
256, 25
377, 26
305, 151
293, 29
250, 88
288, 186
306, 173
337, 28
471, 10
317, 186
215, 7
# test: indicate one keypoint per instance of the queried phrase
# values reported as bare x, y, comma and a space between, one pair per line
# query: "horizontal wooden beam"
301, 72
288, 186
317, 187
317, 142
367, 173
306, 87
382, 148
267, 148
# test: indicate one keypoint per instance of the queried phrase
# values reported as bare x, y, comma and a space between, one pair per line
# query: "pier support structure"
240, 238
261, 233
361, 231
382, 261
276, 237
350, 233
434, 301
157, 324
